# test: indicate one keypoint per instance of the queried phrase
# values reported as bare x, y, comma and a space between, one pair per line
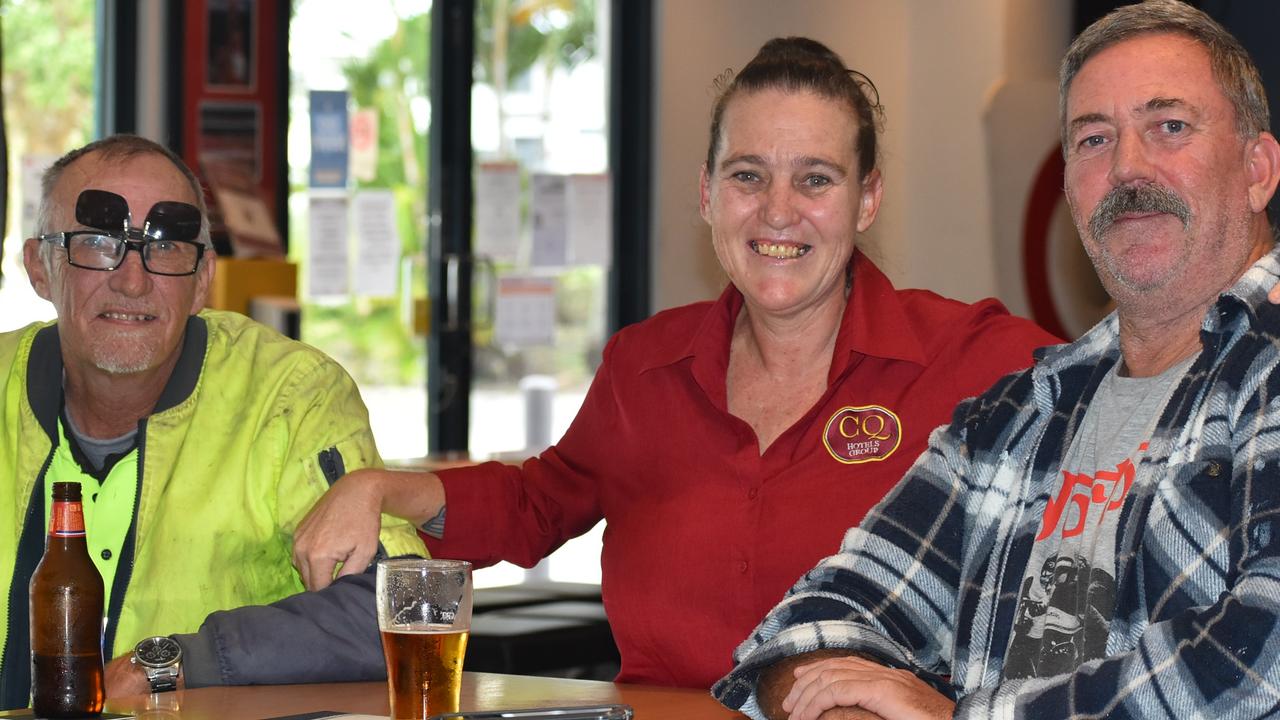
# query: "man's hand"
125, 678
844, 713
342, 527
849, 682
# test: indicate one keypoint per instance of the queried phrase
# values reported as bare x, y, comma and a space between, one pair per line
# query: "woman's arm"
342, 527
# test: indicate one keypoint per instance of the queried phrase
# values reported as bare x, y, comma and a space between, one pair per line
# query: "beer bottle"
66, 617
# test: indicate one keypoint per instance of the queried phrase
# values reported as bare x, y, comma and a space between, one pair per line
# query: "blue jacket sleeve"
326, 636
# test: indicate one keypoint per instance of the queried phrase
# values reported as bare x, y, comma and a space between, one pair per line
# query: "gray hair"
1232, 67
118, 148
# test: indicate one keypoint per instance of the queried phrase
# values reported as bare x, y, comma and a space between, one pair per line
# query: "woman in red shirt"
728, 444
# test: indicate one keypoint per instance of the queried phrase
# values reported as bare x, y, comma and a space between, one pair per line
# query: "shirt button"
742, 566
106, 554
752, 493
1214, 469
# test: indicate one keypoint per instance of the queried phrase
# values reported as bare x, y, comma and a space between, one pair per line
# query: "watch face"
158, 651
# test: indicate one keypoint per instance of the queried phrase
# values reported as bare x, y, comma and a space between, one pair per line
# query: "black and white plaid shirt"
930, 580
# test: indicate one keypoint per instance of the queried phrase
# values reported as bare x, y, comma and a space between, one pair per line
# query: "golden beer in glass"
424, 614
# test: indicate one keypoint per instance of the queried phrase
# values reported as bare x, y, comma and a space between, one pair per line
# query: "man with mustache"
199, 438
1144, 457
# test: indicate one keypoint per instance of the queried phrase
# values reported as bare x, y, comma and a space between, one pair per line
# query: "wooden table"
480, 691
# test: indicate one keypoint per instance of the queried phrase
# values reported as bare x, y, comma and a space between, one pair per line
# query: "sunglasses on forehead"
167, 241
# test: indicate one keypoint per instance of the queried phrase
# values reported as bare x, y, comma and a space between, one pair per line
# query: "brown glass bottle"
66, 617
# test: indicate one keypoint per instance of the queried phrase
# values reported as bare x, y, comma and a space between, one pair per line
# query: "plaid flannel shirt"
930, 580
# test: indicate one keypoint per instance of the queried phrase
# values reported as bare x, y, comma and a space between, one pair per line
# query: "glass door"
543, 229
525, 233
50, 48
490, 144
542, 225
359, 234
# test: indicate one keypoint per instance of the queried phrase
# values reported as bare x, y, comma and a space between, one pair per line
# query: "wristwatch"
161, 659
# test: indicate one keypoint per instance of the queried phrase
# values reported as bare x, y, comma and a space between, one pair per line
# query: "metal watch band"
163, 679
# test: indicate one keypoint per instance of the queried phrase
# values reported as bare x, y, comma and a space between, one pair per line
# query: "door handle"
452, 273
453, 264
484, 264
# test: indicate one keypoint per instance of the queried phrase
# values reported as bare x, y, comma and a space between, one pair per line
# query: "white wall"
936, 65
954, 54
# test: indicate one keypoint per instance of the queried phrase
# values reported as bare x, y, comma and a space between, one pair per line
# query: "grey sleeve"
326, 636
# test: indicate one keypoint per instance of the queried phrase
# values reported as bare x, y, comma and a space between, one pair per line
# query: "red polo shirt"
704, 534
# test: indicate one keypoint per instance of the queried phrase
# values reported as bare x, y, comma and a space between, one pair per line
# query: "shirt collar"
874, 323
1252, 287
1241, 299
708, 346
44, 372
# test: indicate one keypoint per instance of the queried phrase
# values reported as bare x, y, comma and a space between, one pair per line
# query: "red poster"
232, 122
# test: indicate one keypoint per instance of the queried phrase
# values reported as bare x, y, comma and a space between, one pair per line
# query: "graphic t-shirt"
1068, 593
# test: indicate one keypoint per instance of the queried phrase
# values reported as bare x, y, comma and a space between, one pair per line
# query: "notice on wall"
589, 207
230, 135
377, 253
364, 144
329, 139
498, 211
248, 222
327, 250
526, 311
550, 228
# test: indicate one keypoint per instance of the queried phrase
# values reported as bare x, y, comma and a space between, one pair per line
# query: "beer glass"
424, 613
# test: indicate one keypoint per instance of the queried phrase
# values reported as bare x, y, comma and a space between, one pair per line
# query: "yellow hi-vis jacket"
250, 431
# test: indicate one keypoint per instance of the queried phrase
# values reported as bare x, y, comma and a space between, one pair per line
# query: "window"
49, 106
531, 312
378, 58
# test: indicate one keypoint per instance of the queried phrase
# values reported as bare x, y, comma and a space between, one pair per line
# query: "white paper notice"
498, 210
526, 311
253, 232
550, 234
328, 247
377, 251
590, 207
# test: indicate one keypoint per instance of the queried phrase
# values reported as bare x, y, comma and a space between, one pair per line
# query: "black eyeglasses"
167, 242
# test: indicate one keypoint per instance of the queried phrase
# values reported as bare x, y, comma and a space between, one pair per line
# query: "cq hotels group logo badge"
862, 434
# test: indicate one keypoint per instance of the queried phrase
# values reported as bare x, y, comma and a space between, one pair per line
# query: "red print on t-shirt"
1106, 490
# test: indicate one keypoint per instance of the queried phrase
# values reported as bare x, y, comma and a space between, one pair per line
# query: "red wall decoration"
231, 119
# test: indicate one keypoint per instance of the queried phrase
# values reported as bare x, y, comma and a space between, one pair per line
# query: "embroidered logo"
868, 433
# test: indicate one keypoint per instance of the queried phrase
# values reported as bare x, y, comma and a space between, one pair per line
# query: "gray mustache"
1130, 199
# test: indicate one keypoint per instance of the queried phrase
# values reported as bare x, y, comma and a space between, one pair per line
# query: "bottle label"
67, 520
